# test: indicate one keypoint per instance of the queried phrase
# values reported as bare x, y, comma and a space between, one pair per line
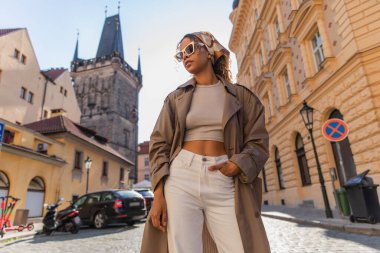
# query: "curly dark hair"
221, 66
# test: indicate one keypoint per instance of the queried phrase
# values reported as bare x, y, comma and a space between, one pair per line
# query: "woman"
206, 151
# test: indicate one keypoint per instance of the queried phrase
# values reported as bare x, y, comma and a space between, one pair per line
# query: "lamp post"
307, 116
88, 163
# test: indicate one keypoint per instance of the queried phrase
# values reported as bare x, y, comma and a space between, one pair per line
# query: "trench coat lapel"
183, 103
231, 103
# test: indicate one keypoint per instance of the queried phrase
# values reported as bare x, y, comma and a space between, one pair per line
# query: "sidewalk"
15, 235
317, 217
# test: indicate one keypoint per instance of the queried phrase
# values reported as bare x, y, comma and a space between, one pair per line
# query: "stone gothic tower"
107, 90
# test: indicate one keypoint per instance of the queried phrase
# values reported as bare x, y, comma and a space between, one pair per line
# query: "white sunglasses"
187, 51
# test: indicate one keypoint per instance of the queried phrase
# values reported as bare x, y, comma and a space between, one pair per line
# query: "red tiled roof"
61, 124
54, 73
6, 31
144, 147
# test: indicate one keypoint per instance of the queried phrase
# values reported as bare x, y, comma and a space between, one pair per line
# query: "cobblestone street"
284, 237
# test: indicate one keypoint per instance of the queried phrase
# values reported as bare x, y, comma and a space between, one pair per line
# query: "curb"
348, 228
18, 237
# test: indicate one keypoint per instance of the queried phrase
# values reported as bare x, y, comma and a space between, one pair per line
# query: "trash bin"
363, 199
21, 217
342, 200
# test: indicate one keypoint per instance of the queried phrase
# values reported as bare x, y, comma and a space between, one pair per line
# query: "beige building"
44, 160
324, 52
28, 94
143, 168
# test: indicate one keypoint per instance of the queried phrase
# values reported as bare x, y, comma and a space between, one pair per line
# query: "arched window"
265, 180
281, 180
343, 157
302, 161
4, 184
35, 197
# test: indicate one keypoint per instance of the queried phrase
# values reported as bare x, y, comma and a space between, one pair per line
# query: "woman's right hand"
158, 212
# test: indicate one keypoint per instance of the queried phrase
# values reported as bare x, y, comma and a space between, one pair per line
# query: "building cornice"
239, 20
25, 152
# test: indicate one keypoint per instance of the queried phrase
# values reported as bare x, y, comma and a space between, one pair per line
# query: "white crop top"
204, 119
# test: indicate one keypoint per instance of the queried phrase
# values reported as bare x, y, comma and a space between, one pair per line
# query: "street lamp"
307, 116
88, 163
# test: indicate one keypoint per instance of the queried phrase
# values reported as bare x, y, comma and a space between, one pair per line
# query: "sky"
154, 26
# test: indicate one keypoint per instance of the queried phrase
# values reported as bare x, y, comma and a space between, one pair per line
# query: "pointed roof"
75, 58
62, 124
139, 65
53, 74
111, 40
6, 31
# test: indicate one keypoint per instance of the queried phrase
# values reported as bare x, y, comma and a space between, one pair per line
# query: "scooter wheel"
75, 228
47, 231
20, 228
30, 227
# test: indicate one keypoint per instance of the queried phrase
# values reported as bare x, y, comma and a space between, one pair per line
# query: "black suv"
148, 196
111, 206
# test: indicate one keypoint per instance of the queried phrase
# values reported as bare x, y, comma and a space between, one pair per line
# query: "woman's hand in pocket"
228, 168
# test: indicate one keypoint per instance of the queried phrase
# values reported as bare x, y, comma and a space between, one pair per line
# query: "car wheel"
100, 220
131, 223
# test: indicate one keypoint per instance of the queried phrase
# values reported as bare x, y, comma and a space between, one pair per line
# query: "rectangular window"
287, 84
277, 26
8, 136
65, 93
61, 90
22, 93
46, 114
146, 161
318, 50
146, 177
105, 169
23, 59
30, 97
16, 54
78, 161
121, 174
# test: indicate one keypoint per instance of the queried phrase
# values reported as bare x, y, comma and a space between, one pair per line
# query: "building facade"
143, 167
107, 90
325, 53
28, 94
44, 160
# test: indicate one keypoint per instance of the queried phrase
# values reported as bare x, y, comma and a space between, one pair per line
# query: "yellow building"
44, 160
324, 52
28, 94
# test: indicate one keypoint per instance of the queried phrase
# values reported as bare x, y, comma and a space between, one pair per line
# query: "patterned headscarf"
213, 46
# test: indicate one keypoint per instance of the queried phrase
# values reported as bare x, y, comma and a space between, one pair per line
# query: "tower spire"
105, 11
118, 8
139, 64
75, 58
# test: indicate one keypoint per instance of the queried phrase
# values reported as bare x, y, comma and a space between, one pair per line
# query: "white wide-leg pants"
195, 195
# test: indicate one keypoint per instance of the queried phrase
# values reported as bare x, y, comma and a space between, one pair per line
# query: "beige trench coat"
246, 143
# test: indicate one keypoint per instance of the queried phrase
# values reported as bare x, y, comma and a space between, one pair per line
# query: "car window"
93, 198
80, 201
108, 196
146, 193
129, 194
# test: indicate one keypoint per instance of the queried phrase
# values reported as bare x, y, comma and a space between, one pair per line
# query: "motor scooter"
66, 220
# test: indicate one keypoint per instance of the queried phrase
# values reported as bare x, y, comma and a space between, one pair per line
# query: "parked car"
148, 196
111, 206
